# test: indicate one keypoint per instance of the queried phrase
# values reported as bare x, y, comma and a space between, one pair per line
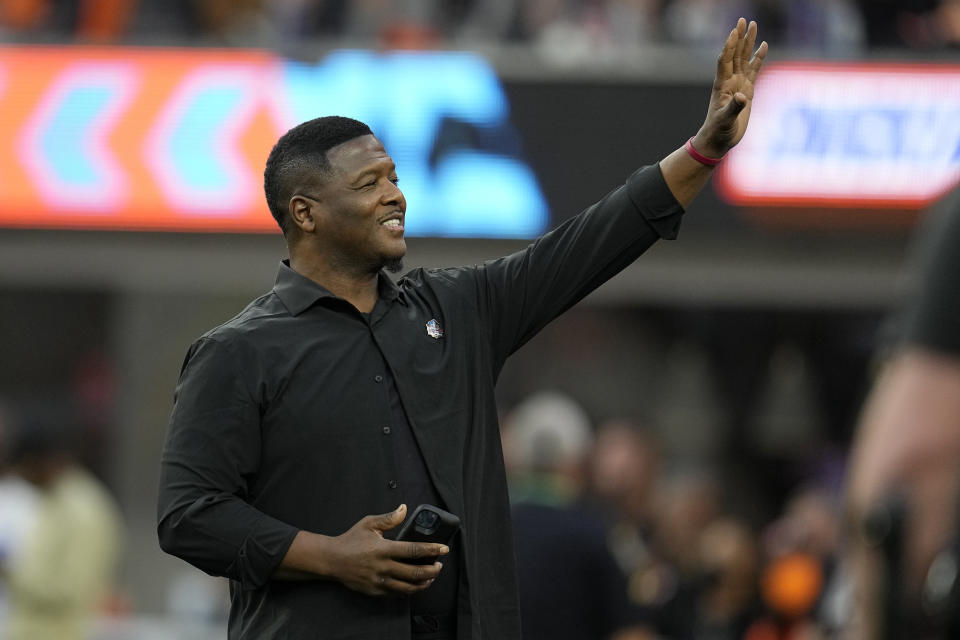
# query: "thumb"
388, 521
735, 106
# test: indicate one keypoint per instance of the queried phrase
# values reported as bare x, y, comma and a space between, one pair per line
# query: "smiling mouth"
392, 223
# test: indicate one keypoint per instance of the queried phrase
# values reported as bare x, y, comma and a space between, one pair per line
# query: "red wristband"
699, 157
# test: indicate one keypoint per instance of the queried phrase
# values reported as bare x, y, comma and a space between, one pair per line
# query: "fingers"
725, 59
757, 61
387, 521
408, 578
750, 38
418, 550
741, 50
739, 44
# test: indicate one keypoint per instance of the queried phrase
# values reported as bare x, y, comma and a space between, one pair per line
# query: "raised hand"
729, 109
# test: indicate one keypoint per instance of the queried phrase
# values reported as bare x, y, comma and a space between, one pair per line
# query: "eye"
395, 180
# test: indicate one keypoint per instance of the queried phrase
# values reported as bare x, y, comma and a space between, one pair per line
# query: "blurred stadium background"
132, 140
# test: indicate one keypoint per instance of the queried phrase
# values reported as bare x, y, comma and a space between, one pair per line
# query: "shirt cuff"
259, 556
652, 197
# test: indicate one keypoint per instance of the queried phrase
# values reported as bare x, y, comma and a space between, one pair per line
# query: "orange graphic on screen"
161, 139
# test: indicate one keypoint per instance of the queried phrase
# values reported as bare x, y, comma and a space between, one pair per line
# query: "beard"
393, 265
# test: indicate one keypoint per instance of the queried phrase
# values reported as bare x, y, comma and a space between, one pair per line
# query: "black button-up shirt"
279, 415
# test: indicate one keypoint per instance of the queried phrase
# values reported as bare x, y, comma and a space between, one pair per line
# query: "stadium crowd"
690, 564
830, 27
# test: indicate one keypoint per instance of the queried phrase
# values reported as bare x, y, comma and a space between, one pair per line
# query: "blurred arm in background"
909, 437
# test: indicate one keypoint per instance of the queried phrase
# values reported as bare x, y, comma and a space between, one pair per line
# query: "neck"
356, 286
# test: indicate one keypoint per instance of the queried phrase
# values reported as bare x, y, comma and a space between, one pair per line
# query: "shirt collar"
298, 293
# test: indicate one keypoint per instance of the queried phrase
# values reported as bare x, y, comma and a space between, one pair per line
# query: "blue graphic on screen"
193, 141
62, 140
922, 135
444, 119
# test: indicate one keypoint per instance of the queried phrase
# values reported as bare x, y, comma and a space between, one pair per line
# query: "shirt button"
378, 378
386, 430
392, 484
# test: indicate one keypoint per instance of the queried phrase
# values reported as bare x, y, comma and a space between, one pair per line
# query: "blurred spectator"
832, 27
800, 582
563, 31
810, 524
914, 23
570, 586
65, 567
670, 585
727, 600
946, 18
689, 502
97, 21
18, 506
625, 466
698, 23
24, 15
404, 24
235, 22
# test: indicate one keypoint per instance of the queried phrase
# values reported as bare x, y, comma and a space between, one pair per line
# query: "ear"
301, 213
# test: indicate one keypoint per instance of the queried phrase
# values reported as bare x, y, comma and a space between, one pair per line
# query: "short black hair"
300, 153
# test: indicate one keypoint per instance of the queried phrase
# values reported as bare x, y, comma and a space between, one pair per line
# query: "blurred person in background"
625, 468
91, 21
688, 501
669, 585
919, 24
905, 467
63, 572
695, 22
699, 575
727, 599
832, 27
570, 584
341, 393
804, 595
18, 507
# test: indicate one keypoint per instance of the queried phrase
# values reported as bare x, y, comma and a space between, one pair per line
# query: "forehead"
364, 152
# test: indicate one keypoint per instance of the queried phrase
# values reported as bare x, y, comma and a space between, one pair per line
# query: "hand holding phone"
429, 523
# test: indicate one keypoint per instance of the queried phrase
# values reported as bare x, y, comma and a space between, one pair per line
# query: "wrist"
703, 153
310, 554
323, 556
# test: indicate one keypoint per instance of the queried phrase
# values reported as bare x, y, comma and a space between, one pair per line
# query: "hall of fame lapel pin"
434, 330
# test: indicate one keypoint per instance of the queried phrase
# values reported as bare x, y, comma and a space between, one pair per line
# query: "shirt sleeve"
933, 318
522, 292
211, 453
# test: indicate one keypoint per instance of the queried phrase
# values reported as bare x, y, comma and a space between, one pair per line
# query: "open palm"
729, 110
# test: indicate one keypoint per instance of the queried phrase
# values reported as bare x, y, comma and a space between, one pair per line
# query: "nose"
394, 196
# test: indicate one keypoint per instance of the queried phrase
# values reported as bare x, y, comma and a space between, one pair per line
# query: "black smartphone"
428, 523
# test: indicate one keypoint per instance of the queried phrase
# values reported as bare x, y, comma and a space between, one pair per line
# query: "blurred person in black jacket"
905, 471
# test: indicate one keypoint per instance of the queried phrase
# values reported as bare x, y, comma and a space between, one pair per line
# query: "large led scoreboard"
176, 139
862, 136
